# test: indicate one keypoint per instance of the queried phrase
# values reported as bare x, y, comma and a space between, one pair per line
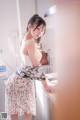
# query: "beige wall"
67, 39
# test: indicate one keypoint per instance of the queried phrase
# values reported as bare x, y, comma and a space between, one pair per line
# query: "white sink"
51, 78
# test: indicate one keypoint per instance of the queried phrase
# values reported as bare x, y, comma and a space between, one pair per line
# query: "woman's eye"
38, 28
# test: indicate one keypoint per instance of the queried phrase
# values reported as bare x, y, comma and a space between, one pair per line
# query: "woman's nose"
39, 32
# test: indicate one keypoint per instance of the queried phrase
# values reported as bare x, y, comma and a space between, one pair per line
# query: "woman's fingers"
50, 89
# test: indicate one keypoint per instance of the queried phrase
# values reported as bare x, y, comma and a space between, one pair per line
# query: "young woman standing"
20, 89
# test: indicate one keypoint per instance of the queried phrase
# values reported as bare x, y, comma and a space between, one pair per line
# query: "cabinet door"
42, 103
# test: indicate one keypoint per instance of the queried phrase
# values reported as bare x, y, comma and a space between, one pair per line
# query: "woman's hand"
47, 87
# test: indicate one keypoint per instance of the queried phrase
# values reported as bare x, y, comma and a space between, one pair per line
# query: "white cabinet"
42, 103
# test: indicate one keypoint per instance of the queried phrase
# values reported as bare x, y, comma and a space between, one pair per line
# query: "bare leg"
28, 116
14, 117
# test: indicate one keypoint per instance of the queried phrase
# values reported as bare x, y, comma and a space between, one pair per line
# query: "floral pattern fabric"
20, 90
31, 72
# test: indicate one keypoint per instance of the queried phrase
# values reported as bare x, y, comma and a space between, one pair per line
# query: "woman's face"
38, 32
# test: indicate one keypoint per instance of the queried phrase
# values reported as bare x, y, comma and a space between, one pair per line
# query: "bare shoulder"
27, 45
30, 44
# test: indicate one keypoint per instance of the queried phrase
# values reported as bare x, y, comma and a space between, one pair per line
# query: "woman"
20, 89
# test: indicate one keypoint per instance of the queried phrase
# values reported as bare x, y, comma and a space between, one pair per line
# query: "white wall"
10, 27
48, 38
27, 10
43, 5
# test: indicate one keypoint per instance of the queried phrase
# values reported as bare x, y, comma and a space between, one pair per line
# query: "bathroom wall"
8, 23
13, 19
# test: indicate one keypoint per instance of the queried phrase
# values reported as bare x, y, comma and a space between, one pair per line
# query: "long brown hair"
36, 19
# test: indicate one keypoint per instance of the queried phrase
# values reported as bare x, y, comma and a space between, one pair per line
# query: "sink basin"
51, 78
54, 81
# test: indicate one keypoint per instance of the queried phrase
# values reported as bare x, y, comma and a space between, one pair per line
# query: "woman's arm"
30, 49
34, 59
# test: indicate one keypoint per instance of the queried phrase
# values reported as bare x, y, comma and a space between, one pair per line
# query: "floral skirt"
20, 96
20, 90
